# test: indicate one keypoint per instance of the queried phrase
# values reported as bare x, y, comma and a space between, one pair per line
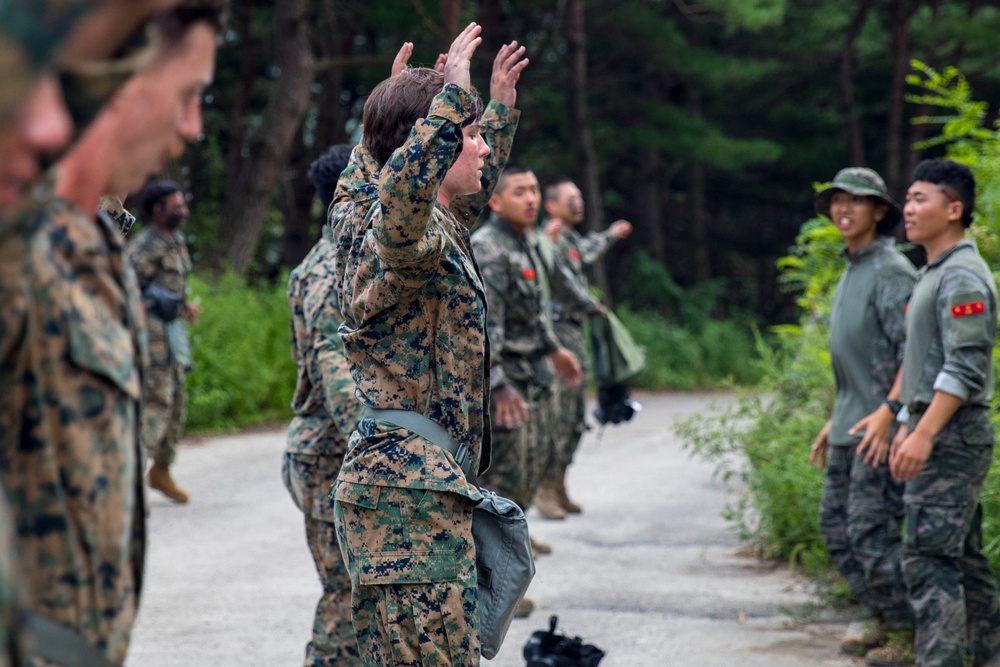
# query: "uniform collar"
964, 243
878, 245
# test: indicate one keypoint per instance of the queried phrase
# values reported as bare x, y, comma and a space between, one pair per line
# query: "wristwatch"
895, 406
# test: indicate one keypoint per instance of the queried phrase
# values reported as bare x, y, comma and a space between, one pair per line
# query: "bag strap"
427, 429
60, 645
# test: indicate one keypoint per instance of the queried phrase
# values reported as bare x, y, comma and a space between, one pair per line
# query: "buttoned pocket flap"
936, 529
101, 343
362, 495
409, 567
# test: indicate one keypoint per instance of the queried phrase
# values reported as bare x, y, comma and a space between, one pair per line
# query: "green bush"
243, 371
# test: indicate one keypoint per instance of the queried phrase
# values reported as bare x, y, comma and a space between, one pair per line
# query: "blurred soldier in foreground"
565, 210
862, 508
71, 458
161, 262
326, 413
414, 308
945, 450
526, 353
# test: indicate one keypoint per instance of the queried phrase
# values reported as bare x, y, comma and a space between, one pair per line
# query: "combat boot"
540, 548
564, 501
547, 501
897, 652
159, 478
524, 608
862, 636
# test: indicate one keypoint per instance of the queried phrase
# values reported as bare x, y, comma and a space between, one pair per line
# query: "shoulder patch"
529, 274
967, 309
575, 254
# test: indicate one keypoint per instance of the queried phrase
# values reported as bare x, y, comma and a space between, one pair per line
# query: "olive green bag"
504, 564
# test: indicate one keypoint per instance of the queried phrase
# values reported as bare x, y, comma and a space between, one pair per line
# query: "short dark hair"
325, 171
512, 169
397, 104
174, 23
153, 193
551, 191
956, 177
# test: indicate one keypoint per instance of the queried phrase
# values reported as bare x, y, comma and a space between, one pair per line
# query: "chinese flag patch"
966, 309
575, 254
529, 274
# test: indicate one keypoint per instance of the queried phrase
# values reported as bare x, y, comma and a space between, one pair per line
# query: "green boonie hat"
30, 32
863, 182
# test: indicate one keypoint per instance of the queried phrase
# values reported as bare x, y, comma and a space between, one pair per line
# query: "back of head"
325, 171
954, 178
153, 193
397, 104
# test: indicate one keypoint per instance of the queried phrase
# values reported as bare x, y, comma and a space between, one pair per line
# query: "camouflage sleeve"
116, 211
145, 258
593, 246
332, 371
498, 125
496, 275
567, 291
404, 234
296, 289
967, 315
892, 293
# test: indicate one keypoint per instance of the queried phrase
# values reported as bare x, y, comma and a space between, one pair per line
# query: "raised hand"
621, 229
507, 68
441, 62
459, 59
402, 58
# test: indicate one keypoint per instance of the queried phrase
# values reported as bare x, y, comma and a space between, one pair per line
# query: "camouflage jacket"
518, 291
951, 324
161, 258
115, 210
578, 252
69, 438
570, 300
414, 305
326, 411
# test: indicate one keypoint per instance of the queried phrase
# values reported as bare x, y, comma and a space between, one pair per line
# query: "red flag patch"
575, 254
529, 274
966, 309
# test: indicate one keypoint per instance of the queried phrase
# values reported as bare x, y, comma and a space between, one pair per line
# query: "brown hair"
173, 24
397, 104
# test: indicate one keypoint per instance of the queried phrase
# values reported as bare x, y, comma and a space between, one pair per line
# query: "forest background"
704, 123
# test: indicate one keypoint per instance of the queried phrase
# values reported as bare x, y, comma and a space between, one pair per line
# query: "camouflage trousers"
861, 516
571, 417
164, 411
521, 456
309, 479
951, 586
412, 563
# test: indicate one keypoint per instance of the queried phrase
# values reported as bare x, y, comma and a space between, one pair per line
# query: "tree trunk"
699, 215
582, 137
449, 17
899, 41
855, 140
246, 206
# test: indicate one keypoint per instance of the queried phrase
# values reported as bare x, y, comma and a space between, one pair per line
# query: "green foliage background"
771, 427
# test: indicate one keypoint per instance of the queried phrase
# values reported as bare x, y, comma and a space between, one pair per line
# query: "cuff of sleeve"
453, 104
903, 415
497, 115
497, 377
949, 384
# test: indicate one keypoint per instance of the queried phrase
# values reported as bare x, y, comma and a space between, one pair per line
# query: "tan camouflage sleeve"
498, 125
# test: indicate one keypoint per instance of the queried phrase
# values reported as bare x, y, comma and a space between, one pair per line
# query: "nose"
47, 126
190, 126
484, 148
908, 207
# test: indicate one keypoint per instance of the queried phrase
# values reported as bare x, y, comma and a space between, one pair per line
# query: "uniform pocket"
408, 567
936, 529
101, 343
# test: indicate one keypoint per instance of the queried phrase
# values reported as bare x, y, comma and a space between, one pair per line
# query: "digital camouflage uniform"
326, 413
414, 310
113, 207
862, 508
577, 252
71, 367
950, 331
162, 258
521, 336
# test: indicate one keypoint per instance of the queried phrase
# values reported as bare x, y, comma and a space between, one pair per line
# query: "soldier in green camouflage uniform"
326, 413
564, 206
945, 451
71, 377
862, 507
414, 308
160, 258
522, 378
